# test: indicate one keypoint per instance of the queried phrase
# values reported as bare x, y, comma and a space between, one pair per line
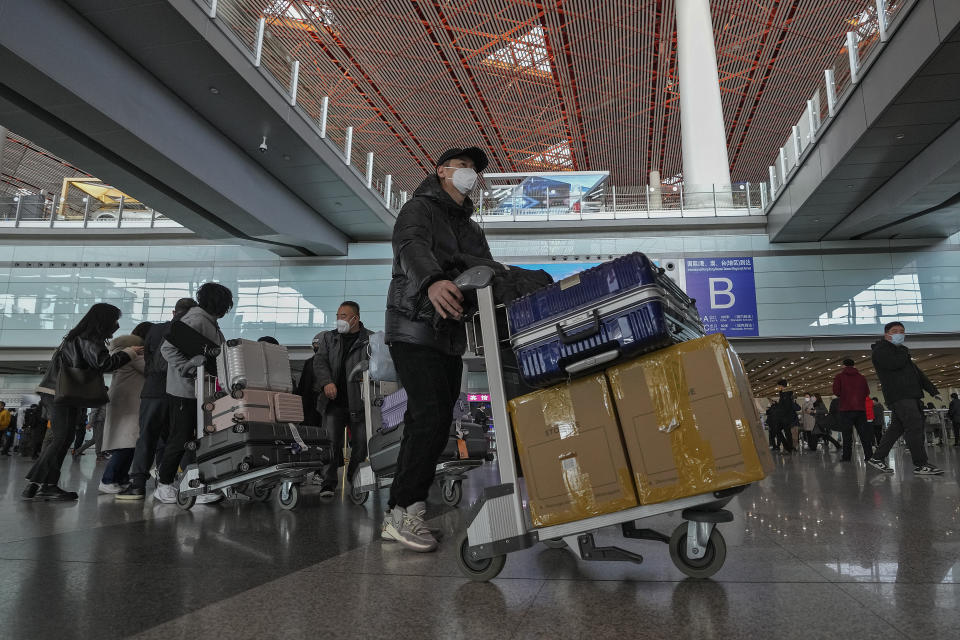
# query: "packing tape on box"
693, 438
550, 413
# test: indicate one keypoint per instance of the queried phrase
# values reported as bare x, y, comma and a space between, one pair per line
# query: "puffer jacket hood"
122, 342
430, 238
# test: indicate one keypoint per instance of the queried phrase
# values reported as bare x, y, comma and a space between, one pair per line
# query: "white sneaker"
209, 498
109, 488
165, 493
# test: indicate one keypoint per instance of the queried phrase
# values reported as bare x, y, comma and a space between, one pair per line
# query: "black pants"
906, 421
335, 420
37, 434
183, 427
80, 432
9, 436
956, 433
878, 432
855, 419
432, 381
826, 437
154, 426
46, 470
782, 436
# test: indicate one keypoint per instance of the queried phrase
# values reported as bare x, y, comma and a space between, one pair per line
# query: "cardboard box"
572, 452
688, 421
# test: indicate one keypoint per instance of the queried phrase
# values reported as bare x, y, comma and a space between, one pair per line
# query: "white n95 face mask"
343, 326
464, 179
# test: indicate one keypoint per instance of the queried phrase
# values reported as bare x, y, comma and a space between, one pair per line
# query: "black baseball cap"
476, 154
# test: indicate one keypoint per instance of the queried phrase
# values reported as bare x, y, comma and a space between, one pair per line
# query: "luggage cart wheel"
288, 496
712, 554
480, 570
184, 502
261, 493
554, 543
357, 496
452, 493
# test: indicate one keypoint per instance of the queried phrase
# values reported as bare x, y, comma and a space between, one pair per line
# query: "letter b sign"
721, 293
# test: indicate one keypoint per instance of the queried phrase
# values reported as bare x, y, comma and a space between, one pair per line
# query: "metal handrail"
860, 48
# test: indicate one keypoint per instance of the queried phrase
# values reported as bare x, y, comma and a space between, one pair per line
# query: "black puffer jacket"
899, 376
431, 231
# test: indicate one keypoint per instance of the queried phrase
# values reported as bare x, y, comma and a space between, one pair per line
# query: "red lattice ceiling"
590, 83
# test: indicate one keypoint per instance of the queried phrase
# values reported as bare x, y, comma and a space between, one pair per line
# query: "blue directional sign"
726, 295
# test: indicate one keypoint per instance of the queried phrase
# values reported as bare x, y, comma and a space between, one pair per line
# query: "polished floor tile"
819, 549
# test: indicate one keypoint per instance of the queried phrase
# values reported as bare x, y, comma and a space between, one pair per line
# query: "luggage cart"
498, 523
256, 485
449, 474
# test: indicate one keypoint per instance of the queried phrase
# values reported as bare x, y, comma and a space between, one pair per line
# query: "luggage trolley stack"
249, 441
384, 407
623, 309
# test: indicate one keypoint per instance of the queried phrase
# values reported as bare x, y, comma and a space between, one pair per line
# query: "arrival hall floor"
818, 550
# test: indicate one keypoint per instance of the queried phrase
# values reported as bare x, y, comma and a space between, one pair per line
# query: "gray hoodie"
181, 370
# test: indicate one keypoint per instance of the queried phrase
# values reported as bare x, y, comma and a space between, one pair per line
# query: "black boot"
53, 493
30, 491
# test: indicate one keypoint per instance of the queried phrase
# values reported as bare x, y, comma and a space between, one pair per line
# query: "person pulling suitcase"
338, 398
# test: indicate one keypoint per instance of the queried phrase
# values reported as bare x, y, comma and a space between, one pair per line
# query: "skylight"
557, 156
527, 54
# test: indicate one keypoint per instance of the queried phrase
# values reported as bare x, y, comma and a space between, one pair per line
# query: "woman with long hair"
84, 347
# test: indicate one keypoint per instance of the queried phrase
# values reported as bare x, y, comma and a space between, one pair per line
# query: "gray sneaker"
406, 527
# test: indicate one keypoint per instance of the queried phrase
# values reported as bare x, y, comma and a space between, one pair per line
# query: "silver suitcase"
245, 364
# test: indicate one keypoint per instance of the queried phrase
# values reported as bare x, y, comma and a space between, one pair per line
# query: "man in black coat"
432, 230
783, 417
337, 394
903, 386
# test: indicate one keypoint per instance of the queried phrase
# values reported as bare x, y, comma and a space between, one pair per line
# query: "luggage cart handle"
566, 338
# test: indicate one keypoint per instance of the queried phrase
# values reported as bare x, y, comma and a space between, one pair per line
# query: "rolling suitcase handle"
591, 361
566, 338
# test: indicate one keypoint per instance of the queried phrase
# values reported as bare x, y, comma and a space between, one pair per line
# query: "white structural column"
702, 132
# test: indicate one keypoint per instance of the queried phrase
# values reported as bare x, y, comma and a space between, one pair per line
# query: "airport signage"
726, 295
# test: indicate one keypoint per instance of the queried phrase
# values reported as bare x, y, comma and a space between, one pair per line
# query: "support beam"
702, 132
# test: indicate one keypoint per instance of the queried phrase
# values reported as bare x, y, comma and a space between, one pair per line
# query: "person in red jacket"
852, 390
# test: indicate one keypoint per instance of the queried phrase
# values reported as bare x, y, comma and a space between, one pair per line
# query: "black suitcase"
253, 445
475, 438
384, 448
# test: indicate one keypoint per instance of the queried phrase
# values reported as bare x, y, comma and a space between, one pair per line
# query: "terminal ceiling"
548, 85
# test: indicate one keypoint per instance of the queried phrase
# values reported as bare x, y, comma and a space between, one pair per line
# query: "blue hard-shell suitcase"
617, 310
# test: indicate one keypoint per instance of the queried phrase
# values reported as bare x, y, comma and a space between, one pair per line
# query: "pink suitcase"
254, 406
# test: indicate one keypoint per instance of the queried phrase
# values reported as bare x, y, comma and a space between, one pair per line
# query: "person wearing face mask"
903, 385
338, 397
432, 231
308, 395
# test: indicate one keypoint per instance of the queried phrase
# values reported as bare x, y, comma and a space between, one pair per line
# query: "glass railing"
269, 33
37, 212
871, 30
634, 202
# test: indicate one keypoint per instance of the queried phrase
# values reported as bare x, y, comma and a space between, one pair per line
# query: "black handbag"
78, 387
